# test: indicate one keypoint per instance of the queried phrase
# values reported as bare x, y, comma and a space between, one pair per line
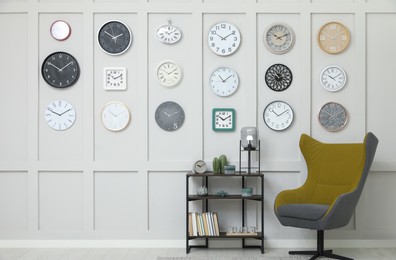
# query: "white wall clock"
169, 73
60, 30
279, 38
333, 78
60, 115
224, 81
278, 115
224, 38
223, 119
115, 78
169, 34
333, 116
115, 116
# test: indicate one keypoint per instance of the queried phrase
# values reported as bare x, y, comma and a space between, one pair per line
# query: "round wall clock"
60, 70
333, 116
60, 115
224, 81
169, 116
115, 116
199, 166
60, 30
278, 115
333, 78
169, 73
224, 38
169, 34
278, 77
279, 38
333, 37
114, 37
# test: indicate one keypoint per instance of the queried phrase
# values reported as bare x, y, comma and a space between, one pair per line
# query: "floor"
152, 253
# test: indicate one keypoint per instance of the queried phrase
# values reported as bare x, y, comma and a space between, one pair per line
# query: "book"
216, 223
206, 225
190, 229
194, 223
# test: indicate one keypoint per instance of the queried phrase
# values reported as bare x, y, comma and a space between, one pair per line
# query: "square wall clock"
115, 78
223, 119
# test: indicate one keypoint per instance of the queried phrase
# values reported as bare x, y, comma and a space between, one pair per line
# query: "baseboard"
281, 243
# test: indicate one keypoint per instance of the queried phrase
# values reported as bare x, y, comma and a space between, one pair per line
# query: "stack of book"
203, 224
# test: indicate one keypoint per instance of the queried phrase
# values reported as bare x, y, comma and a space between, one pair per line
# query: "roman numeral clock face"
169, 73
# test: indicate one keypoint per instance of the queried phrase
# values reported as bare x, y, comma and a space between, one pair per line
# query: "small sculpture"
202, 191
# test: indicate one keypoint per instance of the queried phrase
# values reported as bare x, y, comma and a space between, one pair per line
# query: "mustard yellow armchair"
327, 200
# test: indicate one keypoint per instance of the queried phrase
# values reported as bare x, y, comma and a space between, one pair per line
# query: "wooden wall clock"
333, 37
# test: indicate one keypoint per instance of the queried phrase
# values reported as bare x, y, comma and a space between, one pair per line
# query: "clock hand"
221, 78
335, 36
109, 34
337, 75
283, 112
274, 112
65, 111
171, 71
224, 118
175, 113
52, 111
280, 37
222, 38
49, 63
328, 35
228, 35
116, 77
331, 77
227, 78
120, 113
166, 113
66, 65
115, 37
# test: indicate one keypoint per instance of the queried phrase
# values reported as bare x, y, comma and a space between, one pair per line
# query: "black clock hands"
224, 118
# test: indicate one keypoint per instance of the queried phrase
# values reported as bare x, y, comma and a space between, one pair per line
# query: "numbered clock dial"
333, 116
223, 119
279, 38
60, 70
169, 73
224, 81
60, 30
333, 78
169, 116
115, 116
114, 78
278, 115
60, 115
114, 37
333, 37
169, 34
224, 39
278, 77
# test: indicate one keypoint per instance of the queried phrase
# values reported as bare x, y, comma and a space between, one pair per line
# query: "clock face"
279, 38
169, 116
169, 34
224, 81
114, 37
278, 115
114, 78
169, 73
333, 116
223, 119
278, 77
224, 39
60, 30
60, 115
333, 78
60, 70
199, 166
333, 37
115, 116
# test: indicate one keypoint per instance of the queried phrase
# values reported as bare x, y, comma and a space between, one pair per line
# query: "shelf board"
229, 197
224, 235
237, 174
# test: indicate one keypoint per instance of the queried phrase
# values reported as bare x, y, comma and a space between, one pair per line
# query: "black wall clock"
60, 70
278, 77
114, 37
169, 116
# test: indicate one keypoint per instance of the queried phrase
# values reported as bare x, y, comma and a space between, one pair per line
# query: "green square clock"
223, 119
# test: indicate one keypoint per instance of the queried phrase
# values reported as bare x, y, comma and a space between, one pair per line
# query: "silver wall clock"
114, 37
278, 115
169, 34
224, 81
224, 38
279, 38
333, 116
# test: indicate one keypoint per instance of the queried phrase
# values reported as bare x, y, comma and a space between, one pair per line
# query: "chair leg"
320, 250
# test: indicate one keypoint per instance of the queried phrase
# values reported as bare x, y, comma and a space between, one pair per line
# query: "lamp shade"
249, 137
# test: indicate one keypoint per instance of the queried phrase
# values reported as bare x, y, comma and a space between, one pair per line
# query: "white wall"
90, 183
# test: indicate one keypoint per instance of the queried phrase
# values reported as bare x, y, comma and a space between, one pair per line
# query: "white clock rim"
105, 78
130, 42
291, 109
239, 42
75, 114
288, 48
331, 66
68, 32
114, 102
174, 26
346, 117
177, 64
210, 78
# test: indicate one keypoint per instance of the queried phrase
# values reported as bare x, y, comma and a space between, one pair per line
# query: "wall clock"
224, 81
333, 78
333, 116
223, 119
333, 37
169, 116
114, 37
115, 78
60, 70
60, 30
169, 34
278, 115
224, 38
199, 166
115, 116
60, 115
169, 73
279, 38
278, 77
